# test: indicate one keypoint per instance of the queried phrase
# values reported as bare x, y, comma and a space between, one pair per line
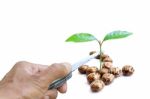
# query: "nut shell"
103, 56
107, 59
104, 71
92, 52
97, 85
82, 69
127, 70
108, 78
92, 77
92, 69
107, 65
116, 71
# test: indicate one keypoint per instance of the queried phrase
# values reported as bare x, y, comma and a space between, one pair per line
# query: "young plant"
86, 37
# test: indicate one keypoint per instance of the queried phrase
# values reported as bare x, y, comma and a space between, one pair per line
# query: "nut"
107, 59
97, 85
92, 52
103, 56
127, 70
108, 78
92, 69
107, 65
92, 77
115, 71
104, 71
82, 69
98, 56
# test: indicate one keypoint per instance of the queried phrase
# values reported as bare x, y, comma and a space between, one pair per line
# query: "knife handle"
58, 83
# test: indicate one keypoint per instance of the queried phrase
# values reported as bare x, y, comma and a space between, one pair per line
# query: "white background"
35, 31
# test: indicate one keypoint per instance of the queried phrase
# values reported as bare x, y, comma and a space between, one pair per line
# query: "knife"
59, 82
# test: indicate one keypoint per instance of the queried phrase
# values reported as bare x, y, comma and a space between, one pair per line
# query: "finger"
51, 94
56, 71
63, 88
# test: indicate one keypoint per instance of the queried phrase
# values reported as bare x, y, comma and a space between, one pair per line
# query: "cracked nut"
104, 71
92, 52
92, 69
92, 77
107, 59
108, 78
127, 70
115, 71
103, 56
97, 85
82, 69
107, 65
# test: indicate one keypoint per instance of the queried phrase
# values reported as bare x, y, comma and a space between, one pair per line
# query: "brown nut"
92, 52
107, 59
104, 71
97, 85
103, 56
98, 56
92, 77
108, 78
115, 71
107, 65
127, 70
92, 69
82, 69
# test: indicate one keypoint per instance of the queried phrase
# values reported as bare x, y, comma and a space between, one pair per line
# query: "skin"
30, 81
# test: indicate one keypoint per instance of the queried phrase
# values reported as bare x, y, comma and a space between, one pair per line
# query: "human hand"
30, 81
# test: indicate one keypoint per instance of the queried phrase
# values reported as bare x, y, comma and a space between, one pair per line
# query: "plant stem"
100, 52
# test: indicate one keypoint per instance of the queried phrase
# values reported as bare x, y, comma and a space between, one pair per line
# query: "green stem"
100, 52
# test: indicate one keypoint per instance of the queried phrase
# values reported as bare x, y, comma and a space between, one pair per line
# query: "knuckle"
55, 64
20, 64
61, 68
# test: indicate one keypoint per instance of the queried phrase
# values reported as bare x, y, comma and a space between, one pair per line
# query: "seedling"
86, 37
106, 73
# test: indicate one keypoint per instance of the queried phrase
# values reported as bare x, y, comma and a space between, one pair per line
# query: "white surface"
35, 30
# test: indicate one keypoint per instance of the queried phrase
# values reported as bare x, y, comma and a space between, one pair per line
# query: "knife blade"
59, 82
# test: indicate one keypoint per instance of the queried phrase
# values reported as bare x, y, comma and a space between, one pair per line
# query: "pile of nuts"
98, 78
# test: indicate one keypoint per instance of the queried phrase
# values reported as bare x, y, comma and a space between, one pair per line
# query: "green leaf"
81, 37
117, 35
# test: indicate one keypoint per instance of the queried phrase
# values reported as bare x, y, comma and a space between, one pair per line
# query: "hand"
30, 81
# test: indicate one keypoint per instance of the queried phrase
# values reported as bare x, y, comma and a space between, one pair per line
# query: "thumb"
56, 71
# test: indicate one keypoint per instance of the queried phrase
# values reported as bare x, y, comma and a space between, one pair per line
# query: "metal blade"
83, 61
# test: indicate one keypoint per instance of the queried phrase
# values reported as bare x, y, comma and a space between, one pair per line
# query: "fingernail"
46, 97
